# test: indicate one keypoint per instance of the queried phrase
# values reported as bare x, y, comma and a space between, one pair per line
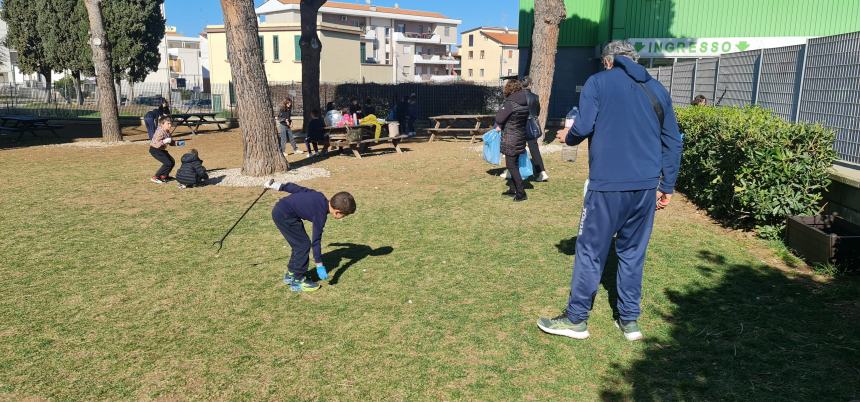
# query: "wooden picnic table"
360, 138
195, 120
21, 124
470, 124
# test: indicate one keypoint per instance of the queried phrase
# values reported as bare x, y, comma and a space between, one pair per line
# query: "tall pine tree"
64, 26
25, 36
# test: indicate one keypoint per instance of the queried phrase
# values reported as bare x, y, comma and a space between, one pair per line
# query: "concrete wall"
378, 73
843, 195
340, 57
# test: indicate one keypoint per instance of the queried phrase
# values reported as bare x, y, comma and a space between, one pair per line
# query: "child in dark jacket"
191, 173
316, 134
289, 215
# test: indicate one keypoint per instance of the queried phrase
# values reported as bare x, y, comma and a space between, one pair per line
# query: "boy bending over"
289, 215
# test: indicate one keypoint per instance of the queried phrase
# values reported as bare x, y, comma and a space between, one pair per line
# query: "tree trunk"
118, 85
311, 55
48, 90
76, 76
130, 92
262, 155
548, 15
104, 74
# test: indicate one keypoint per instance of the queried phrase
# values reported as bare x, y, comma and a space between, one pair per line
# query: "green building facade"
664, 31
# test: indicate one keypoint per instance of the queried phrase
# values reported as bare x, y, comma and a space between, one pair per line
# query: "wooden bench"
360, 143
470, 132
475, 125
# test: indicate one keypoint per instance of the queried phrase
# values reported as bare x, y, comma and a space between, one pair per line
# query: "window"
471, 40
482, 55
482, 72
401, 28
262, 49
470, 72
407, 49
471, 55
447, 31
510, 54
298, 56
387, 58
510, 72
276, 49
362, 50
344, 18
420, 28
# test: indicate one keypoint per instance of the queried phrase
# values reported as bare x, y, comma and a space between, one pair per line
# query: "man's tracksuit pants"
630, 216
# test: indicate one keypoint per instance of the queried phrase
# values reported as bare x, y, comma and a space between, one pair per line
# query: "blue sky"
191, 16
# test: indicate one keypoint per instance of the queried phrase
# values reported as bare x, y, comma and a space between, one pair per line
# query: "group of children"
288, 214
190, 174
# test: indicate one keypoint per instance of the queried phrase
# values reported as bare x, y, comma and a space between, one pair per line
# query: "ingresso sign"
708, 47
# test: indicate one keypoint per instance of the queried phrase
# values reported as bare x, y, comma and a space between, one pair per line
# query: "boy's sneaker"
181, 186
289, 279
506, 174
156, 179
630, 329
562, 325
298, 151
542, 177
304, 285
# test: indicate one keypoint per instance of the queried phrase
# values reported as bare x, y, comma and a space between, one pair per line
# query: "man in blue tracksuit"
634, 154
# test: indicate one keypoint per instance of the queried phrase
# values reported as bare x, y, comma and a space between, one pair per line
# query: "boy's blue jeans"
293, 230
630, 215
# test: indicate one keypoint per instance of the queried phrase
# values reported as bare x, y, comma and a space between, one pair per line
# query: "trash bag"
492, 146
525, 165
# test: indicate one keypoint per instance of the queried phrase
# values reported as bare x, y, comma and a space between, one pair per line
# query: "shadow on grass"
341, 259
752, 334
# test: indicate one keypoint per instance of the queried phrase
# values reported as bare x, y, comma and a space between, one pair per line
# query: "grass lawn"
111, 290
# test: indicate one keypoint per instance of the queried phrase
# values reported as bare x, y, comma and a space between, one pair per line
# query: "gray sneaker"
562, 325
630, 329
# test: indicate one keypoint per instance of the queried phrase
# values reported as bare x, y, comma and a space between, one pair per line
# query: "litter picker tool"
220, 243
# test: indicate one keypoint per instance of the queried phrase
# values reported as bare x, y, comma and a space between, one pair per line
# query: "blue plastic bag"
492, 146
525, 165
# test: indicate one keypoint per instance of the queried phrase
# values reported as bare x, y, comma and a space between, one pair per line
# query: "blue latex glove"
321, 272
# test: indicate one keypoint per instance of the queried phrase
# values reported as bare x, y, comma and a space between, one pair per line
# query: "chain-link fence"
63, 102
818, 82
66, 101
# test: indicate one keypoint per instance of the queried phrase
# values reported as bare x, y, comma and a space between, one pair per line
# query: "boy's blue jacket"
628, 149
307, 204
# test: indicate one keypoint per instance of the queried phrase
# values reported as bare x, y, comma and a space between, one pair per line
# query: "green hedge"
750, 168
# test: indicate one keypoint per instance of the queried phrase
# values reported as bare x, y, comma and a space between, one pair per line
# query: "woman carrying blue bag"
511, 120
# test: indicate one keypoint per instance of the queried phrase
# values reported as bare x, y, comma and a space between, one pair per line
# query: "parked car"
151, 100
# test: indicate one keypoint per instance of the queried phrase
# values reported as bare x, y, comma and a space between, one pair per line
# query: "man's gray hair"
619, 48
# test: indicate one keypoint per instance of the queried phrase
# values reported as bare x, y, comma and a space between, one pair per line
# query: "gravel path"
234, 178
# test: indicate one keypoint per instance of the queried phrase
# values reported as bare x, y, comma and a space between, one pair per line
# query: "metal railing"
818, 82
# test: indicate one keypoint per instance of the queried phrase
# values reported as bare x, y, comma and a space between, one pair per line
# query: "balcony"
416, 37
435, 59
370, 33
435, 78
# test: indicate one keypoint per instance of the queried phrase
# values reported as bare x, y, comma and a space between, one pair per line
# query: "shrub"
750, 168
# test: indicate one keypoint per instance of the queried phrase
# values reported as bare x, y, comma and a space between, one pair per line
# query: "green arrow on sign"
743, 45
639, 46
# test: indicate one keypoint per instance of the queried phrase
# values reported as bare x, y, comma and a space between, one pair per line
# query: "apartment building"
488, 54
361, 43
182, 61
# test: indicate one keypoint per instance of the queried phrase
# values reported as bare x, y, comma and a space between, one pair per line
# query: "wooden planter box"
825, 239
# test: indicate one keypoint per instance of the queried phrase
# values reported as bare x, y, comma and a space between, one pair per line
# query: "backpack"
533, 130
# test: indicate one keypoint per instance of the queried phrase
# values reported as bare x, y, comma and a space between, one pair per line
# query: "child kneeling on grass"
158, 149
191, 173
289, 215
